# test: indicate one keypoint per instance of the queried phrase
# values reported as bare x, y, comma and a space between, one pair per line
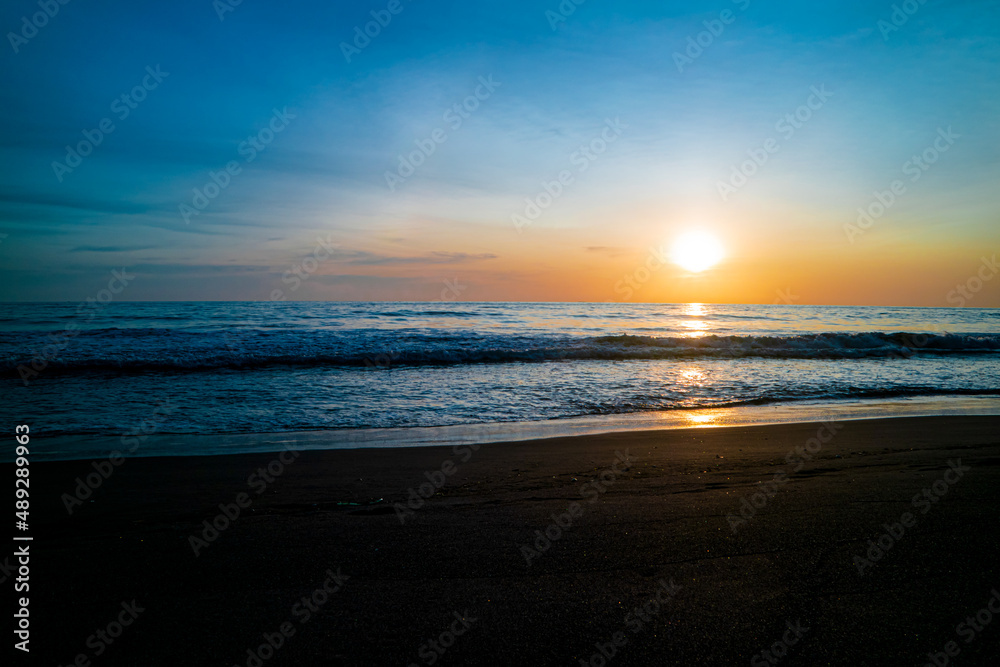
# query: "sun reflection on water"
692, 376
697, 328
693, 309
703, 419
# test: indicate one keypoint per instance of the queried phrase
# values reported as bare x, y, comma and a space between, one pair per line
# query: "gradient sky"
324, 174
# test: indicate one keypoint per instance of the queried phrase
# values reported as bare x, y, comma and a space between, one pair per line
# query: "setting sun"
696, 251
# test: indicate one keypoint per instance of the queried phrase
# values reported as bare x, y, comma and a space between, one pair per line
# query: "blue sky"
345, 123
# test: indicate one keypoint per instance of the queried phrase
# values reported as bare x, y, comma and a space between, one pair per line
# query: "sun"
696, 251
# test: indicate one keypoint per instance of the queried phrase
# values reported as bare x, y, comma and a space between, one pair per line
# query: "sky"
843, 153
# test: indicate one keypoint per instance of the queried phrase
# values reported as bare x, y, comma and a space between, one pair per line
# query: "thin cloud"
610, 251
110, 248
371, 259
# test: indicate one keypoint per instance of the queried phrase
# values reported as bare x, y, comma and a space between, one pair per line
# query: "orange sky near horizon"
545, 267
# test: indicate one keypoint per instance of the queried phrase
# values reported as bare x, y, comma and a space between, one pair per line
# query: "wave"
218, 351
660, 404
827, 398
820, 345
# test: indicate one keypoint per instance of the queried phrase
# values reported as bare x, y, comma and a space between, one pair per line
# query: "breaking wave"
207, 351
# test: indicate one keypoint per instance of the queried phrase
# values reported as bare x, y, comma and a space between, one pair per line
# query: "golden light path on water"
706, 418
697, 328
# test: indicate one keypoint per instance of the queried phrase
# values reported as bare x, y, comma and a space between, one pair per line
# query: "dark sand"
665, 519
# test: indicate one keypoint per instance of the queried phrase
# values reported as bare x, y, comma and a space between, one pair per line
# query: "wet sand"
327, 548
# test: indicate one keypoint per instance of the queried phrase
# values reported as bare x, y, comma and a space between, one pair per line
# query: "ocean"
376, 374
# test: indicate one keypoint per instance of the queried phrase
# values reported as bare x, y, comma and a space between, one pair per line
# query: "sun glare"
696, 251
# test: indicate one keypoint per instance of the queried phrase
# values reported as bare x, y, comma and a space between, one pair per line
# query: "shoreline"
68, 447
658, 524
